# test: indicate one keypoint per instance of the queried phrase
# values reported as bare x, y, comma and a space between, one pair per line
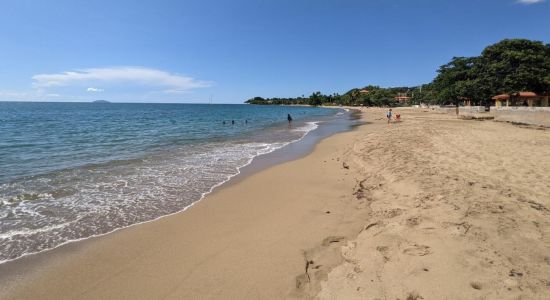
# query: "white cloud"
16, 95
93, 90
528, 2
135, 75
25, 95
175, 91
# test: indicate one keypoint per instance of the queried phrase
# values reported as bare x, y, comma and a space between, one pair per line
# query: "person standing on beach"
389, 115
289, 118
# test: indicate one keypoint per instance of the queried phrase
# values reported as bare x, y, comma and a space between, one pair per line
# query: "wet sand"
430, 208
245, 240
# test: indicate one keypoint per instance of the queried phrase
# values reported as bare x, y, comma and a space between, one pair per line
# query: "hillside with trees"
366, 96
509, 66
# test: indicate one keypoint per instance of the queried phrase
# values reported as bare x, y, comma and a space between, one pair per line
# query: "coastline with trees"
509, 66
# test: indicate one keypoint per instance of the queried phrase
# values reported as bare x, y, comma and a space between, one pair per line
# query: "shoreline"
22, 266
409, 210
294, 149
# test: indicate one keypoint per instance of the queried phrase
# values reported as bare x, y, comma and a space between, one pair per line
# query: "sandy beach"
433, 207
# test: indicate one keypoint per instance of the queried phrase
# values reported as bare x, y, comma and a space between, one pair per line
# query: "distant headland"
100, 101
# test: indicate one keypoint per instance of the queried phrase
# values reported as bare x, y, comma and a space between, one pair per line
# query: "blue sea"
69, 171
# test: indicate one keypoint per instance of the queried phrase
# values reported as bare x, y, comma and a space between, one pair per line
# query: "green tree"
505, 67
509, 66
456, 80
315, 99
423, 94
515, 65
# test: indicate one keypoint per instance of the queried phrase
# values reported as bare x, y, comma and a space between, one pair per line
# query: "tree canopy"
367, 96
509, 66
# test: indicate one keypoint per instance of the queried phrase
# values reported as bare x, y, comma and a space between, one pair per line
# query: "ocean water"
69, 171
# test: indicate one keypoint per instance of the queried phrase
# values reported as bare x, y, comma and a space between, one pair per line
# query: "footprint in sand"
384, 250
475, 285
413, 221
389, 213
417, 250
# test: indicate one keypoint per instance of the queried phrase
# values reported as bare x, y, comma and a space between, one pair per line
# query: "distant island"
100, 101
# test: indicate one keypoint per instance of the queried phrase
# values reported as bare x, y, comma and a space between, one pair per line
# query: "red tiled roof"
519, 94
501, 97
525, 94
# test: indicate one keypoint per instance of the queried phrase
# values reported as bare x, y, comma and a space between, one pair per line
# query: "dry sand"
429, 208
460, 210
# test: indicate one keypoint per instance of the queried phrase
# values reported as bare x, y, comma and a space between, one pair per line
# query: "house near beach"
528, 99
402, 97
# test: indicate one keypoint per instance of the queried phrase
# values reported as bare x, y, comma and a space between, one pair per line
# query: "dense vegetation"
376, 96
506, 67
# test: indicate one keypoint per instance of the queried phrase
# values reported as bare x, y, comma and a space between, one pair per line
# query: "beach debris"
332, 239
514, 273
345, 165
414, 296
308, 263
304, 279
327, 212
371, 225
533, 204
537, 206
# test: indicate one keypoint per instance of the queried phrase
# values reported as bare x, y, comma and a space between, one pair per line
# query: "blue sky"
189, 51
